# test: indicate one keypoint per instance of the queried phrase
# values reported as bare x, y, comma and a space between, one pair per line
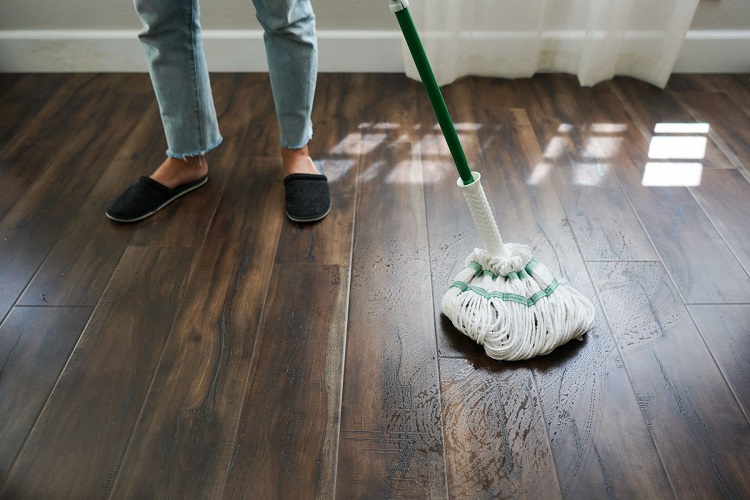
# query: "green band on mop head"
508, 297
480, 271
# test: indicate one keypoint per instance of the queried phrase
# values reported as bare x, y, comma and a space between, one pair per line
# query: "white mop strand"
509, 302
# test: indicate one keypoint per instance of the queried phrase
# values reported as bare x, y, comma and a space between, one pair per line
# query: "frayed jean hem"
199, 152
300, 145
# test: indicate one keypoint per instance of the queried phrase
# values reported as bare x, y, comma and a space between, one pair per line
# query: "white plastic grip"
481, 213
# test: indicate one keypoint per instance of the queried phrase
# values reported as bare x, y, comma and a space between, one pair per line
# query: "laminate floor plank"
726, 330
391, 442
31, 229
80, 264
728, 124
86, 424
720, 194
48, 109
735, 85
183, 441
658, 113
677, 382
384, 121
262, 137
488, 406
690, 246
575, 150
682, 234
34, 347
8, 81
23, 97
288, 435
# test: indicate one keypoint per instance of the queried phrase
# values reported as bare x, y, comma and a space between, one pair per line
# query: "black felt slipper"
307, 197
146, 197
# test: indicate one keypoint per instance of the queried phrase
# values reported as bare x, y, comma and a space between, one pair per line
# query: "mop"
504, 299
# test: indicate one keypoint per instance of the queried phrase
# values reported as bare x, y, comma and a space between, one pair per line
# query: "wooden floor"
217, 350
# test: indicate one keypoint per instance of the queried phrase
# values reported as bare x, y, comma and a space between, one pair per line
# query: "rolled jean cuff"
198, 152
298, 145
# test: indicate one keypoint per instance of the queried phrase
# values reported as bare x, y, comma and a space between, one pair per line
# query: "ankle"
176, 171
298, 161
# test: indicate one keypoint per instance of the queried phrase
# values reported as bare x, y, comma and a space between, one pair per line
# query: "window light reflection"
672, 174
677, 147
682, 128
590, 174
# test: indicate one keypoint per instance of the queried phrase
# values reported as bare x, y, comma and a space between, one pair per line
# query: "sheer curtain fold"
593, 39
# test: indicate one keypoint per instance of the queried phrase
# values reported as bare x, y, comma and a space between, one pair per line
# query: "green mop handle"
474, 195
399, 7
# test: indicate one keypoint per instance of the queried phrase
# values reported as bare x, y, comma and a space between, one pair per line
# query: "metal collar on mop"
398, 5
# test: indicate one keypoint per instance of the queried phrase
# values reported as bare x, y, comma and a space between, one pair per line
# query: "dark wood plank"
677, 382
690, 246
34, 345
184, 437
80, 264
391, 433
85, 427
23, 97
575, 156
392, 119
44, 112
500, 93
8, 81
729, 124
30, 230
735, 85
726, 330
721, 195
649, 105
262, 137
288, 438
596, 429
490, 407
678, 228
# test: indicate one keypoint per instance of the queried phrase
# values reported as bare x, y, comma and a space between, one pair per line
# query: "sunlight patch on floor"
676, 141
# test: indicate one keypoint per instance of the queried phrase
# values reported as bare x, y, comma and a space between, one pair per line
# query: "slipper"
146, 197
307, 197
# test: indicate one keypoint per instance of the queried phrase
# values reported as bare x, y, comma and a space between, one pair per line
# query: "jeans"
171, 39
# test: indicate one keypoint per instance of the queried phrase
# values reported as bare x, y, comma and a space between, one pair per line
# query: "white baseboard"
340, 51
714, 52
226, 51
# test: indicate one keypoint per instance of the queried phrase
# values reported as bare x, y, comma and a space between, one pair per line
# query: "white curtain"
593, 39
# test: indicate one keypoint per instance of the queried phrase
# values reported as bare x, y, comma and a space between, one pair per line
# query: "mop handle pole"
433, 90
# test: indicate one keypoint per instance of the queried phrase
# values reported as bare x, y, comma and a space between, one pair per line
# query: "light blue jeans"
171, 39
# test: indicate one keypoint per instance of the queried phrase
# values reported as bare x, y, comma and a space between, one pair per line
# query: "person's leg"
171, 40
292, 51
172, 43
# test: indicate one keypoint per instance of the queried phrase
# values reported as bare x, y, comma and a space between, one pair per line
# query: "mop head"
514, 307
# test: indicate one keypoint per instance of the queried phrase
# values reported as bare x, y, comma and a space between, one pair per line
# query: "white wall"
355, 35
